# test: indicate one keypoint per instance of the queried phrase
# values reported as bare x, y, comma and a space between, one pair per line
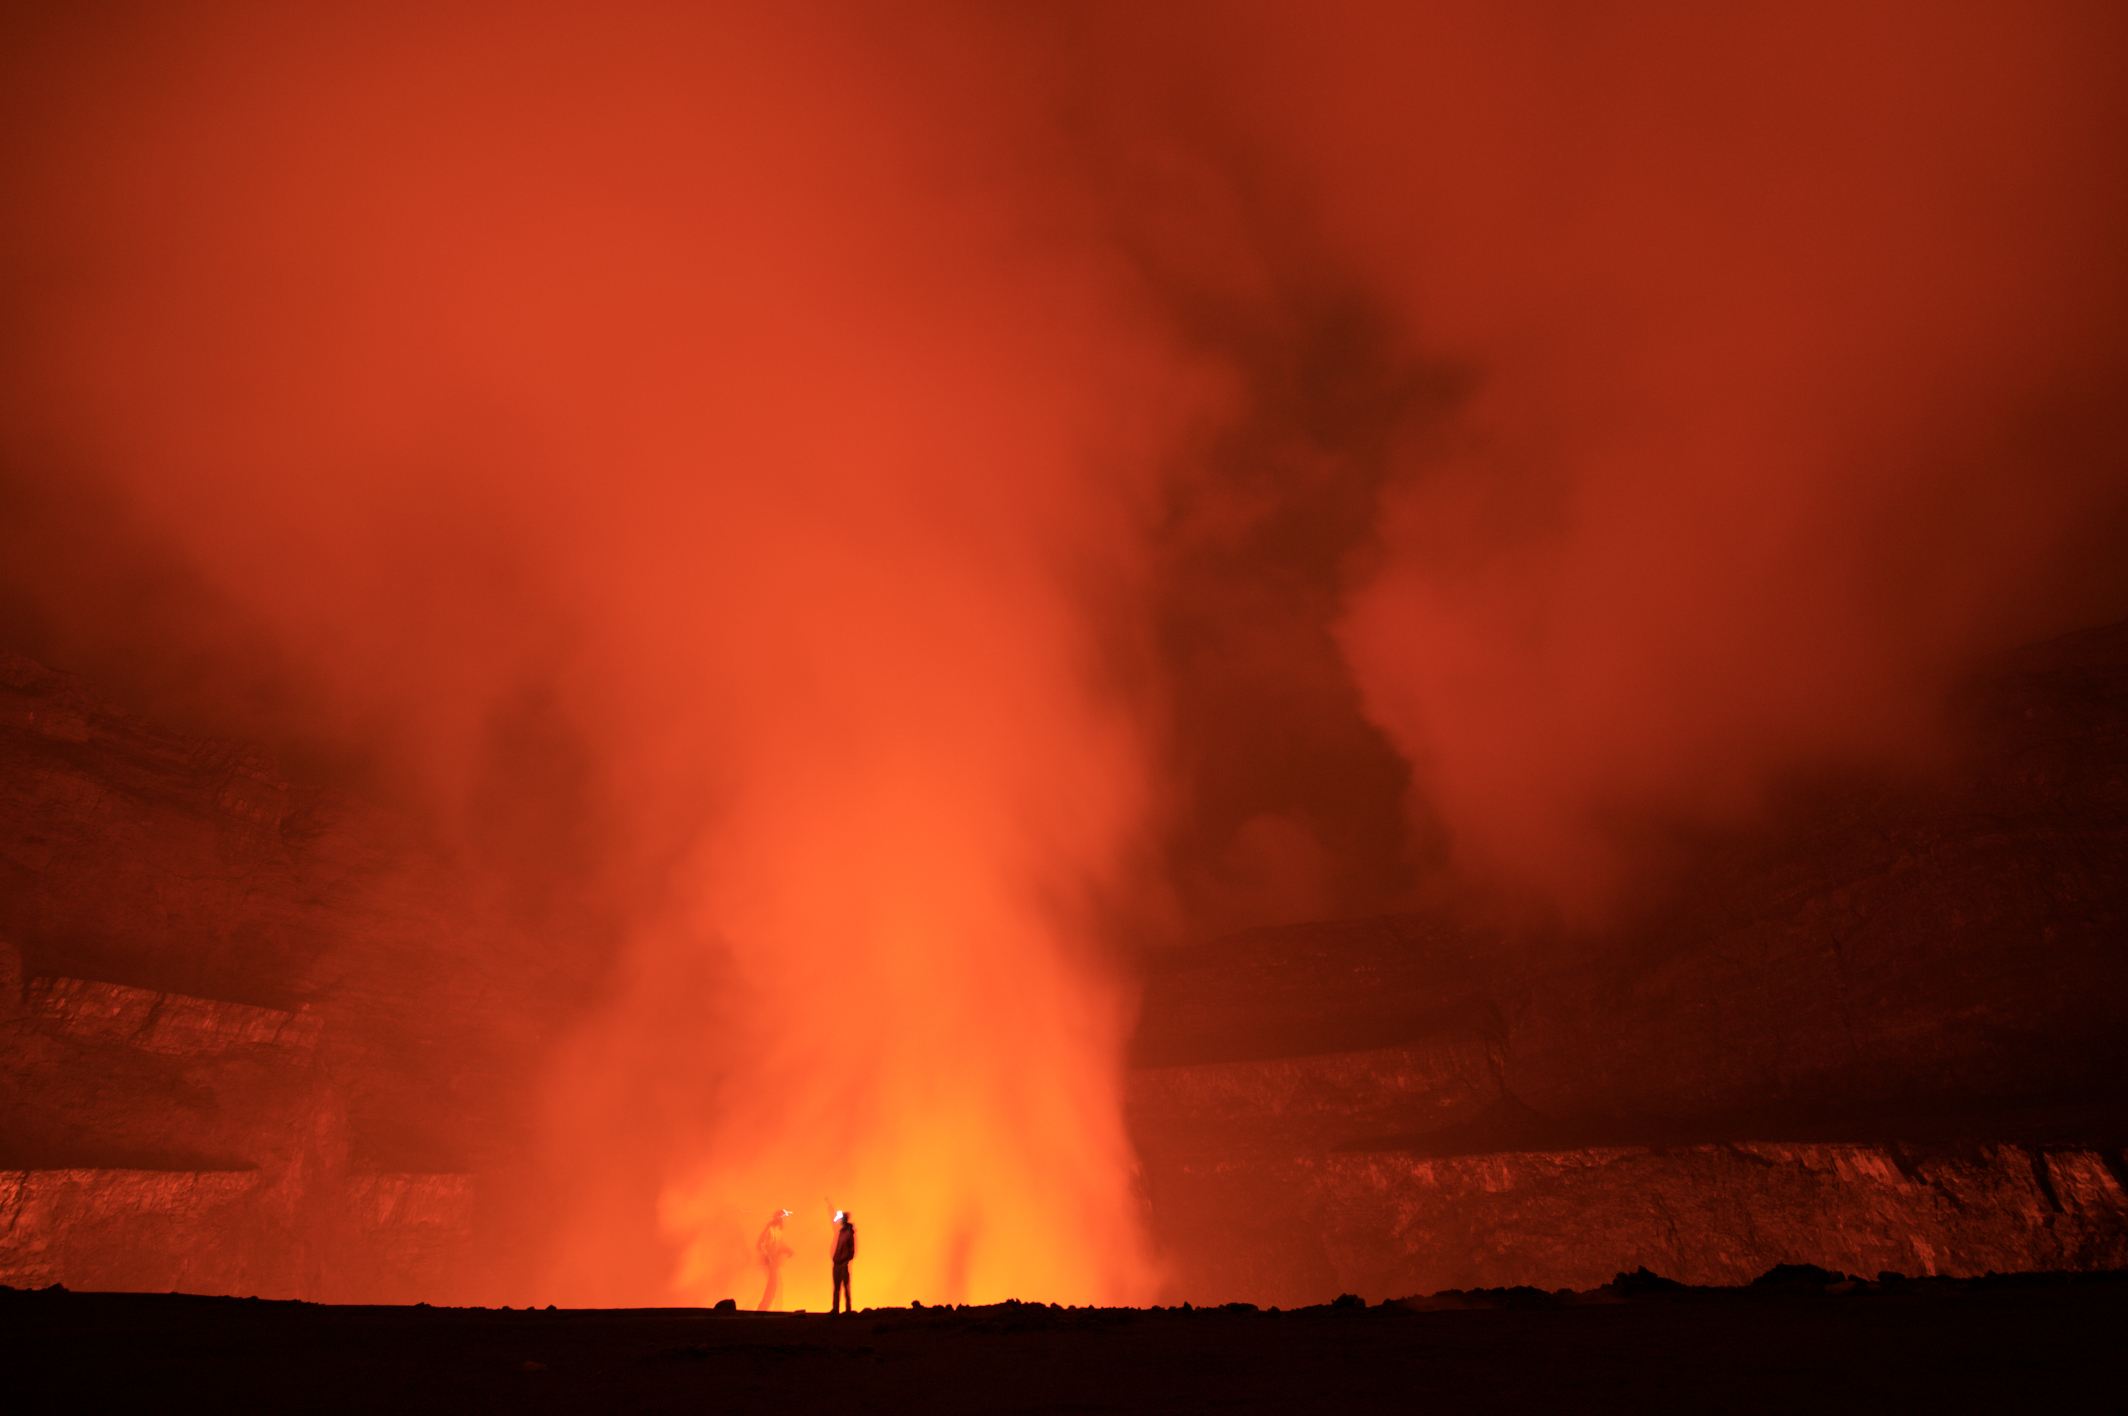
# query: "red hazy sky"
949, 493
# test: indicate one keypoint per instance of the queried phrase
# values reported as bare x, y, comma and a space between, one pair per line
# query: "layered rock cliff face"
254, 1038
1889, 1030
258, 1038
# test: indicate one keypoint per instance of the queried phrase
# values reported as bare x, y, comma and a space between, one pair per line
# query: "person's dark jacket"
846, 1244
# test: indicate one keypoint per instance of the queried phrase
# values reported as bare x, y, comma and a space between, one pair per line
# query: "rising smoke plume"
893, 505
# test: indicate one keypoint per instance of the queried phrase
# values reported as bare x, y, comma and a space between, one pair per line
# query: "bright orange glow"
860, 514
684, 376
912, 1025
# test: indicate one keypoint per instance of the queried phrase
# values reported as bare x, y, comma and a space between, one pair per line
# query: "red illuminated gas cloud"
1796, 359
977, 490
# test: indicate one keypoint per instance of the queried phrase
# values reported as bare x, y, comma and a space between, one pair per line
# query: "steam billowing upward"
1800, 350
891, 506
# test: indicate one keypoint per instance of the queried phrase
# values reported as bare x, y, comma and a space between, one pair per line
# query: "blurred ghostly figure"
773, 1252
845, 1250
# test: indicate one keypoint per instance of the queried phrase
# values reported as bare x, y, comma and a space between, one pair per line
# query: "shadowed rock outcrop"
1890, 978
254, 1036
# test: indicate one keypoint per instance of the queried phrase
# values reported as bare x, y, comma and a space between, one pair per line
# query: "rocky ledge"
1886, 1029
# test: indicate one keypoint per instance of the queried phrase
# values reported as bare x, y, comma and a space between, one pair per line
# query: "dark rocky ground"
2007, 1343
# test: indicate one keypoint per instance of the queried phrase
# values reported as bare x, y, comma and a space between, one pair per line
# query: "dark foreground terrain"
2003, 1342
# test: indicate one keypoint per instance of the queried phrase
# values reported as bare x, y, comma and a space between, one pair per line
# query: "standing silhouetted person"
845, 1250
773, 1252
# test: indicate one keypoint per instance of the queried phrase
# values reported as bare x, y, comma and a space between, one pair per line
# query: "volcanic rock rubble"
260, 1038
